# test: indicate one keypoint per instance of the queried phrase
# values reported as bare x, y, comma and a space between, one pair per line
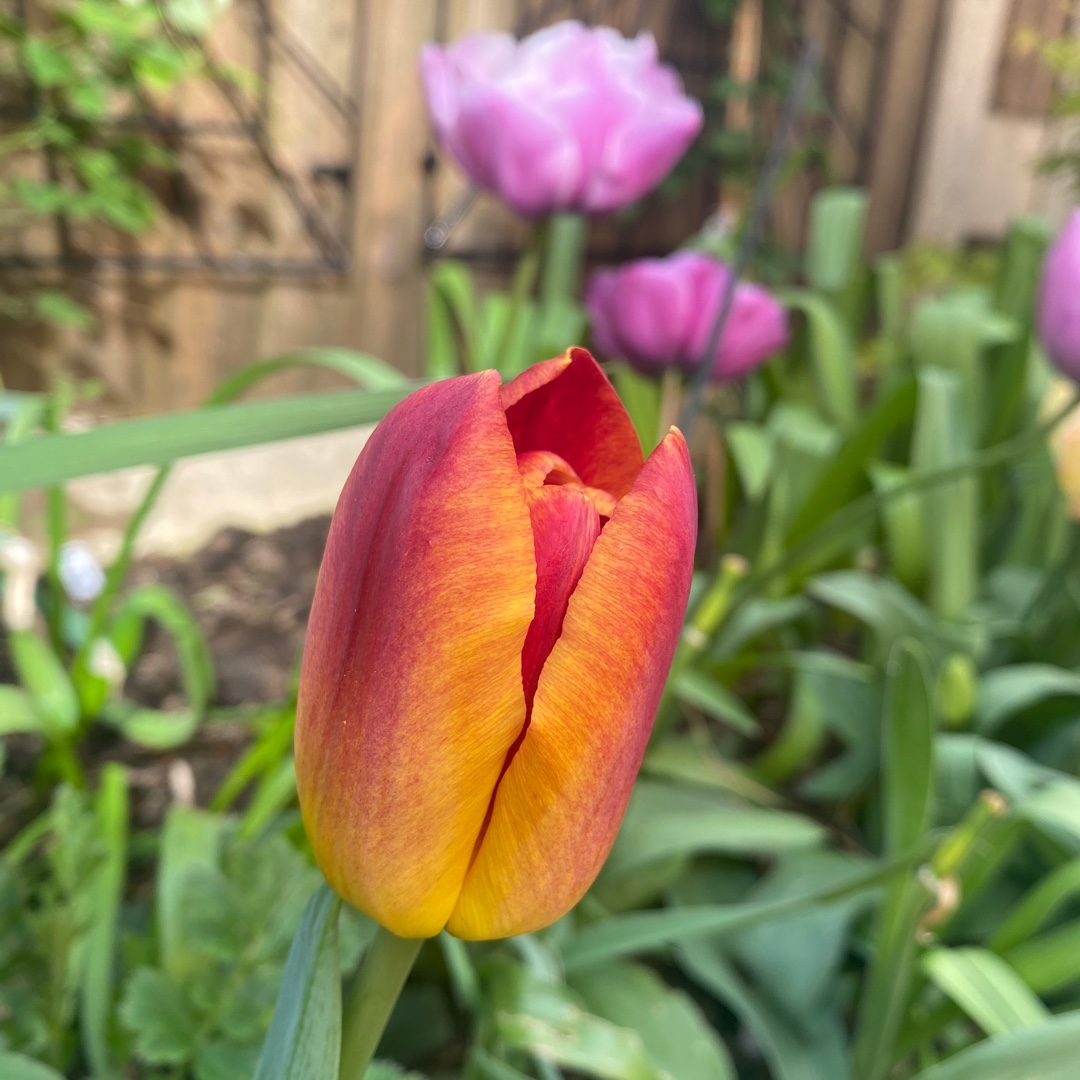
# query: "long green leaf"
304, 1040
100, 960
907, 750
55, 459
367, 371
986, 988
1047, 1052
840, 480
644, 931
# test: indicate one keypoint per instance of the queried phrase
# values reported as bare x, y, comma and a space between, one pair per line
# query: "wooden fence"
302, 207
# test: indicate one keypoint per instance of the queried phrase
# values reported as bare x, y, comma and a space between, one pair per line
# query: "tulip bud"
659, 313
1059, 300
501, 595
570, 118
957, 690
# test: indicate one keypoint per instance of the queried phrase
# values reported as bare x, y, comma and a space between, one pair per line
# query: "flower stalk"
385, 967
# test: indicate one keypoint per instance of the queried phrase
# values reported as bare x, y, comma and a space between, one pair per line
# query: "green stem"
563, 259
854, 512
520, 291
383, 972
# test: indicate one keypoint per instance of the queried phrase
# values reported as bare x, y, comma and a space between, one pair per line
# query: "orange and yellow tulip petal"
411, 691
568, 407
561, 800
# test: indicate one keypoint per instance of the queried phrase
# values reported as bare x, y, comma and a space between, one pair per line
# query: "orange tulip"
501, 594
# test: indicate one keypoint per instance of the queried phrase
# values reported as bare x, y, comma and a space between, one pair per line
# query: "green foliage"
853, 850
79, 67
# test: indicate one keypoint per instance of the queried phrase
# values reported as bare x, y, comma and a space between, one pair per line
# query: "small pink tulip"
570, 118
1059, 300
658, 313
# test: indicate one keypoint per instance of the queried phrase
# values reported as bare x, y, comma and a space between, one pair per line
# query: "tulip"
499, 602
1059, 300
570, 118
659, 313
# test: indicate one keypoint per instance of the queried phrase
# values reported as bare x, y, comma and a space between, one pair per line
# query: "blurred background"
296, 173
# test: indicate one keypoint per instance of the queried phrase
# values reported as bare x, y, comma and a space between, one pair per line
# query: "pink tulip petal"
567, 406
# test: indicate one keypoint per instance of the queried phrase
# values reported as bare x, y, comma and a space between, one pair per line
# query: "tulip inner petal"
566, 520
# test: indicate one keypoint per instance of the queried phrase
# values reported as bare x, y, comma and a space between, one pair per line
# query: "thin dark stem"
800, 90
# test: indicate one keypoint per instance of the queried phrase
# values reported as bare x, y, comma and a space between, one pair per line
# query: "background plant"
88, 131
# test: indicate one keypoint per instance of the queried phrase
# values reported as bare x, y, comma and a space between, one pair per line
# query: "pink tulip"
570, 118
1059, 300
659, 313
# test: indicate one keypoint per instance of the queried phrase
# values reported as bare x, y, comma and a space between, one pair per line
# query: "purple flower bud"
570, 118
1059, 300
658, 313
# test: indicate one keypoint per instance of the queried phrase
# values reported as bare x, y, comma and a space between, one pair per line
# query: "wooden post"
910, 70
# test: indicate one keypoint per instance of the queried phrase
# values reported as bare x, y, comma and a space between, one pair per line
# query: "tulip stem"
521, 289
385, 967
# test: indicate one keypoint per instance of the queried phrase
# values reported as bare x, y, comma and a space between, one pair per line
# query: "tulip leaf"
832, 355
367, 371
752, 454
907, 749
54, 459
105, 896
1007, 691
644, 931
1047, 1052
834, 246
304, 1039
676, 1035
700, 690
811, 1050
986, 988
664, 820
17, 1067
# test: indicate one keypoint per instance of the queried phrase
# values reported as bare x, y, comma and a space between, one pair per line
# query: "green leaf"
676, 1035
901, 517
59, 308
907, 750
752, 454
1006, 691
663, 820
46, 64
943, 438
154, 729
832, 355
159, 1017
18, 1067
305, 1034
165, 607
41, 673
451, 283
55, 459
847, 469
365, 370
195, 17
1046, 1052
190, 839
640, 396
1037, 906
811, 1051
107, 889
543, 1019
701, 691
986, 988
834, 245
17, 713
644, 931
